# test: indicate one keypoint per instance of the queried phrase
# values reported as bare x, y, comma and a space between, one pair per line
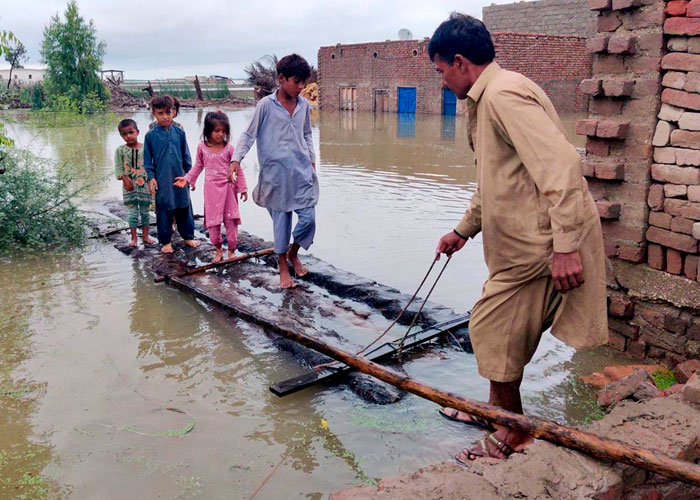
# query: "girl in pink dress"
220, 192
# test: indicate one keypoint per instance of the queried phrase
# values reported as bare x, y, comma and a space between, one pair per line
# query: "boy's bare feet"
146, 240
286, 280
217, 257
299, 269
167, 248
192, 243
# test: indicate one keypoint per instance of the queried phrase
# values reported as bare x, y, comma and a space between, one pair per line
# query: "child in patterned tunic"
128, 167
220, 192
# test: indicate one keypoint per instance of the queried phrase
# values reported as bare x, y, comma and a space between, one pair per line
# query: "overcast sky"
159, 39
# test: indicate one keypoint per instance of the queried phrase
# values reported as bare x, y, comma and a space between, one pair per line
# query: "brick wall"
556, 62
563, 17
642, 165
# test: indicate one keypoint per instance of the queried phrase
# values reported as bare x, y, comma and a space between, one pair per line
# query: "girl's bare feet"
231, 254
148, 241
134, 238
134, 243
192, 243
167, 248
219, 254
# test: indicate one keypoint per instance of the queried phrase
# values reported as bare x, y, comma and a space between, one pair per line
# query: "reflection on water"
116, 367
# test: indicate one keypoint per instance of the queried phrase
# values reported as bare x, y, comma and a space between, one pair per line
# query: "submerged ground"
110, 383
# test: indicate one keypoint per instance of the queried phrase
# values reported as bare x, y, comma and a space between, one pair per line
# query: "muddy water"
114, 387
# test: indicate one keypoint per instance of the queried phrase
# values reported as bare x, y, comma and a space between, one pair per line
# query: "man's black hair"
294, 65
465, 35
126, 123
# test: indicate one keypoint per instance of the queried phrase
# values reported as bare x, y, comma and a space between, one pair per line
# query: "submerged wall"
643, 159
376, 70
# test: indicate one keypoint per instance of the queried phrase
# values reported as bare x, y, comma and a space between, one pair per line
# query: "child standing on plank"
128, 167
220, 203
287, 182
166, 156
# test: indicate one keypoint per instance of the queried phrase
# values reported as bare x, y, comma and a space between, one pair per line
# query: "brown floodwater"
112, 386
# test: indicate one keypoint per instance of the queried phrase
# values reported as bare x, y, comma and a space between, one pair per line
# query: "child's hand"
128, 185
232, 171
153, 186
244, 196
181, 182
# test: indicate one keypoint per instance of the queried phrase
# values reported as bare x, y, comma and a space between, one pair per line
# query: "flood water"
112, 386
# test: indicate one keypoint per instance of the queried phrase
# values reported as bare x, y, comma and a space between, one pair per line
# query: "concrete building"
398, 76
22, 76
553, 17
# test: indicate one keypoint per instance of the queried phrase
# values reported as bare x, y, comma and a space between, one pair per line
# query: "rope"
403, 311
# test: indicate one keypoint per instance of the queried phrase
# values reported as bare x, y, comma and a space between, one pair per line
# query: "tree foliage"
262, 75
16, 54
7, 40
73, 58
36, 206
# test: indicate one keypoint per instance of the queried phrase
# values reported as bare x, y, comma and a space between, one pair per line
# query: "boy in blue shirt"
167, 156
287, 183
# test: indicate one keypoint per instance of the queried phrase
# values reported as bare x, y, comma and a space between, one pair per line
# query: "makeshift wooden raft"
330, 304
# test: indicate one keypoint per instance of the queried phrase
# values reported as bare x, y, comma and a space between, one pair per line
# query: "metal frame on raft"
384, 351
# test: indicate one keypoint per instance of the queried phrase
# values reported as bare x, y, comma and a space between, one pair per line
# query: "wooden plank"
386, 350
200, 269
539, 428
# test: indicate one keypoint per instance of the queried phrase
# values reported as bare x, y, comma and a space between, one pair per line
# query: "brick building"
643, 165
554, 17
398, 75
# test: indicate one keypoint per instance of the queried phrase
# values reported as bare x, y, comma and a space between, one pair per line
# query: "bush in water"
36, 207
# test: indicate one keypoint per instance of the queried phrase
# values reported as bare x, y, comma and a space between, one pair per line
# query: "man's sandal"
452, 415
481, 450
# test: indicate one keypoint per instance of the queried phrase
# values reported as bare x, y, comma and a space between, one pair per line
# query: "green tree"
73, 57
15, 54
7, 41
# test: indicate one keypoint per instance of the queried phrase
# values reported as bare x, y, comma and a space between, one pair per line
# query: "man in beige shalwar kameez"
541, 232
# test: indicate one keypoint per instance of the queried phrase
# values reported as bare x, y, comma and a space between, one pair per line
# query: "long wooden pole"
195, 270
592, 444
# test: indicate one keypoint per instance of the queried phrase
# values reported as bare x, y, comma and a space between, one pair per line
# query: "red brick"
665, 155
631, 253
650, 42
616, 341
599, 4
656, 197
598, 147
621, 44
682, 225
610, 171
681, 242
625, 4
621, 307
690, 266
616, 231
674, 261
676, 7
588, 169
644, 64
609, 129
608, 209
591, 87
676, 26
608, 64
685, 139
681, 61
586, 127
596, 45
618, 88
685, 370
682, 208
637, 151
644, 87
610, 248
656, 257
606, 107
595, 187
608, 23
660, 219
693, 9
637, 348
674, 80
687, 156
675, 190
675, 175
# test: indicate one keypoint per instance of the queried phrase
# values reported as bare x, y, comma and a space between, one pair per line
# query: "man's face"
163, 116
454, 76
292, 86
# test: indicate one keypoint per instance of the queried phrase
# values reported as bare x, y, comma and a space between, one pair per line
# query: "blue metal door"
407, 100
449, 102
